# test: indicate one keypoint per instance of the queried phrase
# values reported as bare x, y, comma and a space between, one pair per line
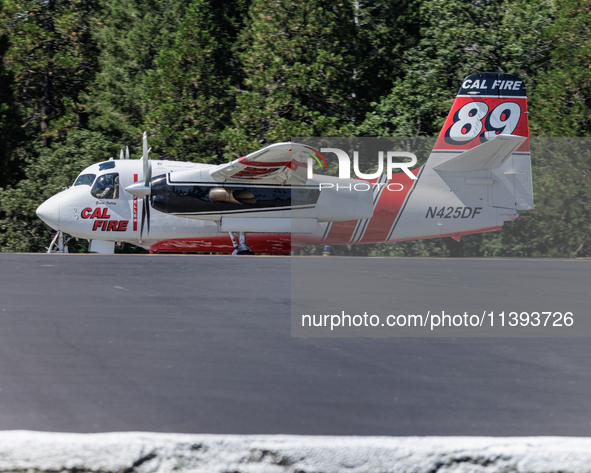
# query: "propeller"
147, 168
143, 189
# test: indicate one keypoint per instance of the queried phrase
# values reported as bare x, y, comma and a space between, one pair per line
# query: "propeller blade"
121, 155
146, 165
143, 219
145, 146
147, 172
147, 200
145, 189
127, 152
145, 168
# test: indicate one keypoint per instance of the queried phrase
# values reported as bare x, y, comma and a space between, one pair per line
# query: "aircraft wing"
280, 163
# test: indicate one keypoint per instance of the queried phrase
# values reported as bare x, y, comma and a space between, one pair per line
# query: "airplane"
477, 177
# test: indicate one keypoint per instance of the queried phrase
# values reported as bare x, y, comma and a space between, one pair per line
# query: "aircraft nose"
49, 212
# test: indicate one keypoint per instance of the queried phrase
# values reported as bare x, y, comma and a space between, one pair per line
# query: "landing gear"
58, 244
240, 247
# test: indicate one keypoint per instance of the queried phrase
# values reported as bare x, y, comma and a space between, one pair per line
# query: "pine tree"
561, 108
130, 34
457, 39
384, 31
10, 129
298, 73
562, 104
52, 59
187, 97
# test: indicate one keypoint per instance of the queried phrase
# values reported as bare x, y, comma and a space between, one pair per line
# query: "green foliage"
52, 57
457, 39
384, 31
561, 106
187, 94
10, 131
298, 70
563, 196
130, 34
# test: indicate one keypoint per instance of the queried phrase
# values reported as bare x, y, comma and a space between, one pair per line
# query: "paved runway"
202, 344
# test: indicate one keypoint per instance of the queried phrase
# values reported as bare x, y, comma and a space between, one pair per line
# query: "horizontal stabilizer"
489, 155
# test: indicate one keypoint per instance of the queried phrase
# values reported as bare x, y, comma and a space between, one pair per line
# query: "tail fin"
487, 130
479, 172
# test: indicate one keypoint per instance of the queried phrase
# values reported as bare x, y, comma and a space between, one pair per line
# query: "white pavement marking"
154, 452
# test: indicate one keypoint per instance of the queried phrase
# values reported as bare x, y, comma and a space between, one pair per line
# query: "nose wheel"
240, 247
59, 244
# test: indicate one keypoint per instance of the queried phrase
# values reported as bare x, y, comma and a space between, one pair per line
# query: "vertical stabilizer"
489, 107
479, 172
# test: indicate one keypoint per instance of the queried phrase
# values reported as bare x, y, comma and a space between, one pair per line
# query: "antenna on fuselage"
122, 156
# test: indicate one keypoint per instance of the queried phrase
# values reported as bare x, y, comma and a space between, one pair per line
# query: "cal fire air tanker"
477, 177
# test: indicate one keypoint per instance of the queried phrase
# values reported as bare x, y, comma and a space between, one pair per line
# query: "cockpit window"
85, 180
106, 186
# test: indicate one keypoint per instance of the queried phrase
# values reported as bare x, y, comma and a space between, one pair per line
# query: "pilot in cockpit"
106, 186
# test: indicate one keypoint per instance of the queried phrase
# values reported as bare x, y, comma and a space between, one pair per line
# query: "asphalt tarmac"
202, 344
